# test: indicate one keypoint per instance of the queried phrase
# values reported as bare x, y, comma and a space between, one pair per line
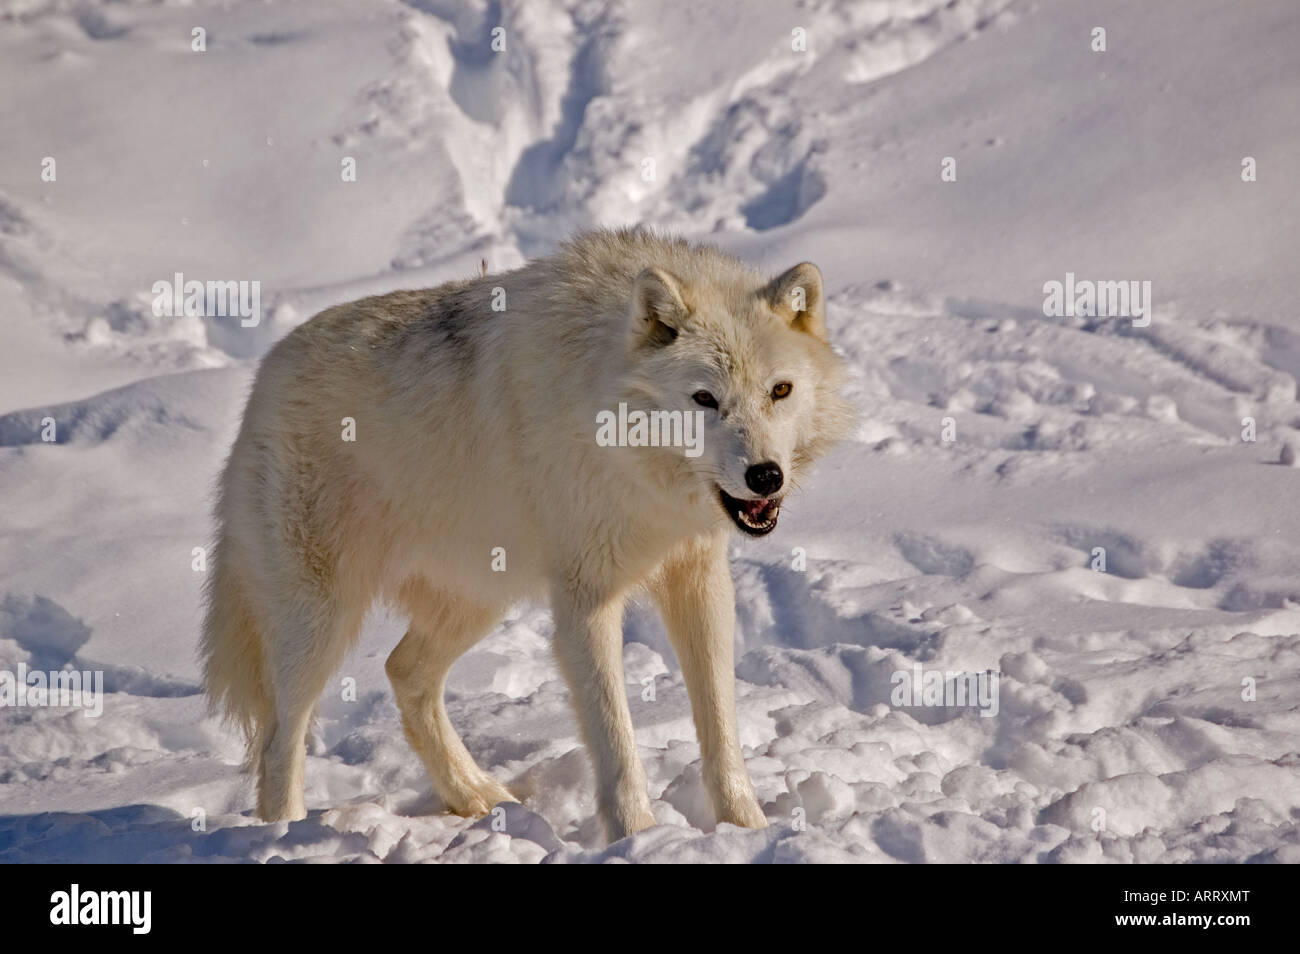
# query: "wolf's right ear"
658, 309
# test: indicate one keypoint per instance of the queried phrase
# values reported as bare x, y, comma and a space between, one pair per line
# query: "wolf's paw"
745, 814
472, 798
282, 806
628, 821
277, 814
643, 820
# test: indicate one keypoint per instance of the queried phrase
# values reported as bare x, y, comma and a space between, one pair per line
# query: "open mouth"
755, 517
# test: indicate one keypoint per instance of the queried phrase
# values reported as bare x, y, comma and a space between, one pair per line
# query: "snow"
1145, 713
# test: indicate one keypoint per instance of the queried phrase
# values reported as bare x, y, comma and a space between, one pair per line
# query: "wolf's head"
751, 360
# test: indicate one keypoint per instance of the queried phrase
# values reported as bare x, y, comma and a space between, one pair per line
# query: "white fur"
475, 429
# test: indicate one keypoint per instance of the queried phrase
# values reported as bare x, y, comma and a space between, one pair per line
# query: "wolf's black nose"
764, 478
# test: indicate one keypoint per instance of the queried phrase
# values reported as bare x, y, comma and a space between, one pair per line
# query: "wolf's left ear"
797, 296
658, 308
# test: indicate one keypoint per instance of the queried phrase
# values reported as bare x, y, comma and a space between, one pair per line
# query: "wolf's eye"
704, 399
782, 390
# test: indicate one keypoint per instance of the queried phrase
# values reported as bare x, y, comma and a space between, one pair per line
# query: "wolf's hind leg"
300, 660
443, 626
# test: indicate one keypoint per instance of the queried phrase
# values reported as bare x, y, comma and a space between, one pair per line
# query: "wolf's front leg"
589, 644
698, 602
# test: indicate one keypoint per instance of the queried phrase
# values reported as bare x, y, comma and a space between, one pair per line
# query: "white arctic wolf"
474, 427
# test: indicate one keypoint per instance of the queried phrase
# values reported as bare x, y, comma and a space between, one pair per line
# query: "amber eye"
704, 399
782, 390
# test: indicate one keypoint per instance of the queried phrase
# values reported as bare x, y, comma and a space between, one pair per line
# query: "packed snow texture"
1146, 712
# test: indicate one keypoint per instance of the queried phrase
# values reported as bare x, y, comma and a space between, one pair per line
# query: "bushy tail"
232, 648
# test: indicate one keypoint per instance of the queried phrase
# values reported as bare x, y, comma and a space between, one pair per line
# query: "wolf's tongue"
755, 508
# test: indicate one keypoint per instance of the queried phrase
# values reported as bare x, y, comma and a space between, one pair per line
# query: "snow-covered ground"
1148, 712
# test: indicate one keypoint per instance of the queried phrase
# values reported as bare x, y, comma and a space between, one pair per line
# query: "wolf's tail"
233, 652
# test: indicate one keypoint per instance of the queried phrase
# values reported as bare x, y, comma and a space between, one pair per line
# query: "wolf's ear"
658, 309
797, 296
